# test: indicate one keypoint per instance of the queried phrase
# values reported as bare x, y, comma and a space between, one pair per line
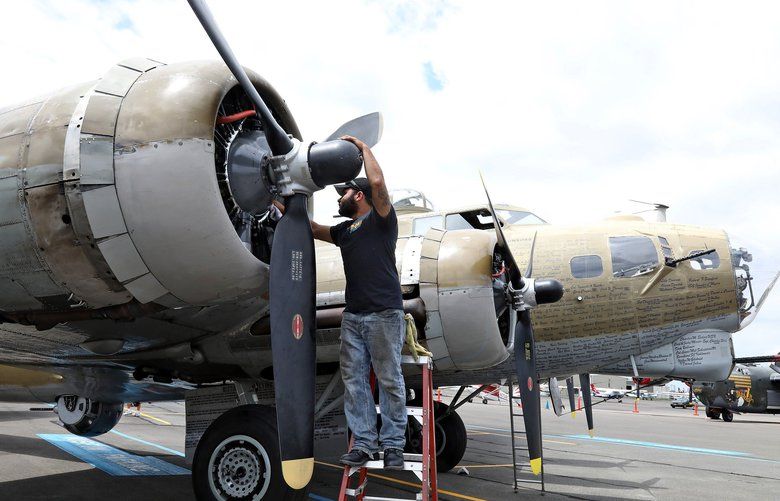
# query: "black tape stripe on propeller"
293, 288
277, 138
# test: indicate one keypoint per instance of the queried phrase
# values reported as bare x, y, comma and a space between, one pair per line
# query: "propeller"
262, 153
570, 390
587, 401
526, 293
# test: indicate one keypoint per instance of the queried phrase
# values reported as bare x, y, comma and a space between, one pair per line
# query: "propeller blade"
514, 271
587, 401
570, 390
555, 396
277, 137
525, 365
367, 128
292, 285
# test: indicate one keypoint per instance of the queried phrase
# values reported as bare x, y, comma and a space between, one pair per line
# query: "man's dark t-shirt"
368, 251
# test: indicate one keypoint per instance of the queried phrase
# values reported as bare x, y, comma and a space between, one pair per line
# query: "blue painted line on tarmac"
638, 443
317, 497
111, 460
161, 447
656, 445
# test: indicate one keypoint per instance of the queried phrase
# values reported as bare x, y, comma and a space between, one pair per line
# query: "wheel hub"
239, 470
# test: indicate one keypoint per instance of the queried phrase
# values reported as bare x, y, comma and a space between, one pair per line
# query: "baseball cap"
358, 184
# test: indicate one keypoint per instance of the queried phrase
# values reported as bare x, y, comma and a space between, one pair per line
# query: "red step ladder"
422, 465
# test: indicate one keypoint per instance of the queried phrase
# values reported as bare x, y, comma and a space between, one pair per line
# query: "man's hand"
357, 142
380, 197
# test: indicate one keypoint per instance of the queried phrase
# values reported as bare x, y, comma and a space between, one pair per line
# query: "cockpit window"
518, 217
632, 256
481, 219
421, 225
709, 261
586, 266
457, 222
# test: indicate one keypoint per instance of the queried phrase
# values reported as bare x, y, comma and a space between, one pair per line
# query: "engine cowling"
116, 191
86, 417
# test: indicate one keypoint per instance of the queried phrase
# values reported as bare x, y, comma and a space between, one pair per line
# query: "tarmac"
657, 453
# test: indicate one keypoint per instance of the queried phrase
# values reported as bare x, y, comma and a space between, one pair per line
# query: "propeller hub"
247, 171
334, 162
548, 290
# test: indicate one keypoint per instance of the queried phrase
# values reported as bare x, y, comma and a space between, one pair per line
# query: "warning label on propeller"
296, 266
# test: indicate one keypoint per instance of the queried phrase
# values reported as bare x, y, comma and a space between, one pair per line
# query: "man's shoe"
394, 459
355, 457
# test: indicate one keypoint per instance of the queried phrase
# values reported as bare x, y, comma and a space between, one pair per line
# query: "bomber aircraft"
137, 264
750, 388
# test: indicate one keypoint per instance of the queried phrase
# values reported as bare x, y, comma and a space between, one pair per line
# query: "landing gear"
712, 413
86, 417
451, 438
727, 415
238, 458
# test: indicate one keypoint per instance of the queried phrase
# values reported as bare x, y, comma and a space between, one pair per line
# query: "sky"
569, 108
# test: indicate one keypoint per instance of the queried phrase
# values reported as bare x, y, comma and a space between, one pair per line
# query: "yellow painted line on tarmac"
148, 416
408, 484
508, 465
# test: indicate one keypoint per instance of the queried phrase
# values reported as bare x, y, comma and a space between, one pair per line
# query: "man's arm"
321, 232
379, 195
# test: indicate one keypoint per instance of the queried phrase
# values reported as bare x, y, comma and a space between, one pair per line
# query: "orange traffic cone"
695, 409
579, 403
636, 406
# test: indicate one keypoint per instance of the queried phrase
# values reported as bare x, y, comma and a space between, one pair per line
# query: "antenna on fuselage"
659, 209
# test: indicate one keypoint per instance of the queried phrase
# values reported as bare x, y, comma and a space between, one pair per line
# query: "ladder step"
375, 498
410, 411
409, 360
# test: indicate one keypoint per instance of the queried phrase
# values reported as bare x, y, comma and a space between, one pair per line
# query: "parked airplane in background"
749, 389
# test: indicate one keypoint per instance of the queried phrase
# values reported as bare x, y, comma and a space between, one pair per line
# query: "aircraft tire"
727, 416
451, 437
102, 418
245, 440
712, 413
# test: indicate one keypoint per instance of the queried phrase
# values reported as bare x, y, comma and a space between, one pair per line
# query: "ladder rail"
516, 433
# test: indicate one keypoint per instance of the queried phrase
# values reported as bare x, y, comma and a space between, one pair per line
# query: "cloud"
570, 109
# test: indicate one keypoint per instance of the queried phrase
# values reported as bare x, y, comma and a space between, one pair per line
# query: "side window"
709, 261
586, 266
421, 225
666, 249
632, 256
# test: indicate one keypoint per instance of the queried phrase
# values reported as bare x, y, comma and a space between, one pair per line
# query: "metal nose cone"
334, 162
548, 290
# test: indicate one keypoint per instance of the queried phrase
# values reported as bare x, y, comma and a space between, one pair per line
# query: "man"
372, 328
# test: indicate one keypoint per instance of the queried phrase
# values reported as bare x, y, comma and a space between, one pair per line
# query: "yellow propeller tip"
298, 472
536, 466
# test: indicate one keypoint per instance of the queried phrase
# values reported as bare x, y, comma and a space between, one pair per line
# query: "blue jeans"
374, 339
